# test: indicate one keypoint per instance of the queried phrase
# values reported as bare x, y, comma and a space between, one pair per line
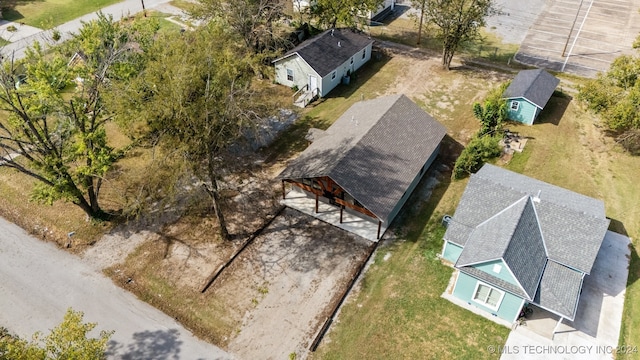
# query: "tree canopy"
348, 13
255, 21
52, 113
457, 21
68, 340
194, 96
615, 96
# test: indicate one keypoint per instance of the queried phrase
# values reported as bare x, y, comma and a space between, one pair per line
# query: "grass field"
398, 311
46, 14
489, 47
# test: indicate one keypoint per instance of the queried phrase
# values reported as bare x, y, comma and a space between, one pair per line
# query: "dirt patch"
273, 298
285, 282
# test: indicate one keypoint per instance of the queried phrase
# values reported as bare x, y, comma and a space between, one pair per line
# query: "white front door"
313, 83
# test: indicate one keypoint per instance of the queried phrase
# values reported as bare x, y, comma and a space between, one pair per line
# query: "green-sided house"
515, 240
528, 94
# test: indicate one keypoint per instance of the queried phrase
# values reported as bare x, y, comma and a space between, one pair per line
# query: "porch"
352, 221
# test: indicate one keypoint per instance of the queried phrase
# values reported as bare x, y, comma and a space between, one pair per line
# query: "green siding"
526, 112
509, 306
451, 252
504, 273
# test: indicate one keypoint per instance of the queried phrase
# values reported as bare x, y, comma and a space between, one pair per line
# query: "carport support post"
379, 226
341, 209
283, 190
555, 329
316, 203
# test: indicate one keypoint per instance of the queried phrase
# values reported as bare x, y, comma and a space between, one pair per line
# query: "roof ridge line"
366, 132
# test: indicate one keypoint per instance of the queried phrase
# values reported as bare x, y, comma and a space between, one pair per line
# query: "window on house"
364, 53
352, 59
488, 296
497, 268
515, 105
290, 74
333, 75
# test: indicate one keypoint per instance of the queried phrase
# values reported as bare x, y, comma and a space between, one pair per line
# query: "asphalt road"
38, 282
119, 10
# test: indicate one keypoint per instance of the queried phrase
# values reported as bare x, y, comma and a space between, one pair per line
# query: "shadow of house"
555, 109
370, 160
517, 240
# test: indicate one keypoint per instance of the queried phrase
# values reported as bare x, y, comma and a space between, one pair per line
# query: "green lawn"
398, 311
46, 14
488, 48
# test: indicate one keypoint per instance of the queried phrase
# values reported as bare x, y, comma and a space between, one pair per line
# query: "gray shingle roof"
573, 225
512, 235
325, 52
555, 226
494, 281
559, 290
537, 86
373, 151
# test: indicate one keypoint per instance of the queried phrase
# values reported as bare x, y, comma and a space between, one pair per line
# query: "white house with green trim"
515, 240
528, 94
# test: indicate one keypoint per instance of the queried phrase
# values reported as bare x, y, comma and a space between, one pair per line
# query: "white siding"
301, 71
328, 84
385, 4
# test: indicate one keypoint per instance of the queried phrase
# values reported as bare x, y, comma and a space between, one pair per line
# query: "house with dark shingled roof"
528, 94
516, 240
317, 65
370, 160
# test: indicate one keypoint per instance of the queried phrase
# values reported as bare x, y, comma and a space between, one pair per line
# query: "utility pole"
144, 11
571, 31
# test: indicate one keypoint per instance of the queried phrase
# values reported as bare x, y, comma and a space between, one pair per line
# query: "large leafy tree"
194, 96
349, 13
52, 114
615, 95
68, 340
492, 113
255, 21
457, 21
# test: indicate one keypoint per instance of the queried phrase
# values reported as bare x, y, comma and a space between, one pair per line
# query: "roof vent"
339, 45
537, 197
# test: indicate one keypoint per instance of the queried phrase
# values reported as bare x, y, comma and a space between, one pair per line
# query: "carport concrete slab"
352, 223
595, 332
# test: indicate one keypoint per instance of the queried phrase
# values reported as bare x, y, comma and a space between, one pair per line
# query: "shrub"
11, 28
480, 150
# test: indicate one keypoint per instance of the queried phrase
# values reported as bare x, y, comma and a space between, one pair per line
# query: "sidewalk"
122, 9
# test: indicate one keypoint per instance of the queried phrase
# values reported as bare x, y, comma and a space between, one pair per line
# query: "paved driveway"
38, 282
581, 37
595, 332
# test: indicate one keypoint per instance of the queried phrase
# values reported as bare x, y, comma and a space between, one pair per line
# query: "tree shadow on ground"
158, 345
